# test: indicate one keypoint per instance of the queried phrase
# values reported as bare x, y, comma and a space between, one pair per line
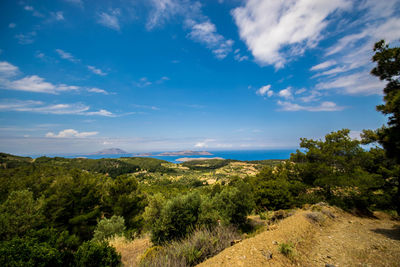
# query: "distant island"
110, 151
186, 153
192, 159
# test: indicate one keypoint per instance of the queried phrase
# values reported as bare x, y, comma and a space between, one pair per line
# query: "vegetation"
62, 212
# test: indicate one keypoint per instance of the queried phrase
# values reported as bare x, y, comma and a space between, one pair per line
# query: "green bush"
28, 252
97, 254
107, 228
176, 219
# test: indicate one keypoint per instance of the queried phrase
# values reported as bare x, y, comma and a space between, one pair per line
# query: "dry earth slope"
344, 240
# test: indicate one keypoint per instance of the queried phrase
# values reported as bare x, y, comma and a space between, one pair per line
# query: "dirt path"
344, 241
354, 241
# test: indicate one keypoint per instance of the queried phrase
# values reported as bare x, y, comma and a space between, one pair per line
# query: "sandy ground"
343, 241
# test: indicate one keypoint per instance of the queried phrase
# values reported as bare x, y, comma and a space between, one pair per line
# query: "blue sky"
78, 76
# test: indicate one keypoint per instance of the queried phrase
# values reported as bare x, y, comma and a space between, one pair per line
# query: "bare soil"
345, 240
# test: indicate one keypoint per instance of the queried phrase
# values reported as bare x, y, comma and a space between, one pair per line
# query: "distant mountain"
186, 153
110, 151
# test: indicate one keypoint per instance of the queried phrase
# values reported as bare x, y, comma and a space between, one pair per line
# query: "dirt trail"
343, 241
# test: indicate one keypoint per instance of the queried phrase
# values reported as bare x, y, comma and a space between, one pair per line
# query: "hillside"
345, 240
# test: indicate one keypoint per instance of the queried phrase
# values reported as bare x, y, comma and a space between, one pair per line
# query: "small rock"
275, 242
329, 265
267, 255
329, 256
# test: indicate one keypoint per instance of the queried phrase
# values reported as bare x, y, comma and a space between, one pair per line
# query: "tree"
388, 69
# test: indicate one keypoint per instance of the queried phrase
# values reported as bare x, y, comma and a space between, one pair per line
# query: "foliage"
19, 213
200, 245
286, 249
107, 228
388, 69
97, 254
177, 218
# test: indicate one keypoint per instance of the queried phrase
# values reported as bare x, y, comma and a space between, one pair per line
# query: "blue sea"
233, 154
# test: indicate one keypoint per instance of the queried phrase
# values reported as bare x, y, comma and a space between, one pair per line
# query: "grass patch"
287, 249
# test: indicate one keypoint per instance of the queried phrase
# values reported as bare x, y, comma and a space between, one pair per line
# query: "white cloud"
265, 90
12, 25
162, 11
70, 133
146, 107
204, 144
110, 20
206, 33
275, 31
358, 83
28, 8
300, 91
201, 28
96, 71
352, 53
313, 96
286, 93
324, 106
57, 109
7, 69
324, 65
97, 90
35, 84
66, 55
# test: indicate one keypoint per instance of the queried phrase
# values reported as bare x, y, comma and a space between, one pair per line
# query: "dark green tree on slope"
388, 69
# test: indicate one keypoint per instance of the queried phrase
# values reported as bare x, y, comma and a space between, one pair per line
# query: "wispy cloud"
206, 33
205, 143
12, 25
346, 64
65, 55
56, 109
96, 70
70, 133
110, 20
97, 90
26, 38
287, 31
201, 29
146, 107
59, 15
324, 106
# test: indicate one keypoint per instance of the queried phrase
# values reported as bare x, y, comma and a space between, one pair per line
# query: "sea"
244, 155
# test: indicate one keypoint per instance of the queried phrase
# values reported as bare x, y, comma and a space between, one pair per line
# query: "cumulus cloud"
286, 93
324, 106
70, 133
275, 31
265, 90
204, 143
110, 20
7, 69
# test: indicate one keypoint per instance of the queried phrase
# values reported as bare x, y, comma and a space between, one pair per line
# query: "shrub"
199, 246
107, 228
97, 254
28, 252
286, 249
177, 218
